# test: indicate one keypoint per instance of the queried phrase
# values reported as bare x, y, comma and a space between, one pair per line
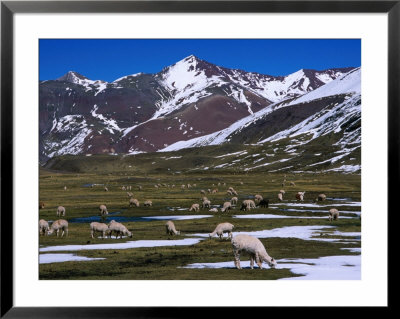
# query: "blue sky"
110, 59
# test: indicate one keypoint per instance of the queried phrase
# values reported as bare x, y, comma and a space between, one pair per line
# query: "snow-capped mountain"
332, 110
190, 103
333, 95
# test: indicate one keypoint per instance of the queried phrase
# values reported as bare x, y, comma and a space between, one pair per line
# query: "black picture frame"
9, 8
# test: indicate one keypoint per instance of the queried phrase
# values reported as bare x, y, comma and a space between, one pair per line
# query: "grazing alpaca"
221, 229
226, 206
264, 203
194, 208
333, 214
119, 229
60, 224
133, 202
170, 228
234, 200
258, 198
206, 204
252, 246
43, 227
300, 196
103, 210
98, 227
60, 211
247, 204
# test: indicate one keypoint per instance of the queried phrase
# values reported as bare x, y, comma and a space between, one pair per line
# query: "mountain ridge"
145, 112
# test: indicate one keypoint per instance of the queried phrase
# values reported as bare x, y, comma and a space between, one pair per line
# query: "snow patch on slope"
110, 124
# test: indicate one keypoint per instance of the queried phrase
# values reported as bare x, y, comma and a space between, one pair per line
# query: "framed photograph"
224, 154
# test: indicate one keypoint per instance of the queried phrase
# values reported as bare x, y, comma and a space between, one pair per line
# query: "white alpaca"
194, 208
248, 204
206, 204
103, 210
258, 198
119, 229
231, 191
226, 206
234, 200
321, 197
253, 246
148, 203
98, 227
300, 196
170, 228
133, 202
333, 214
280, 197
213, 210
60, 211
221, 229
43, 227
60, 224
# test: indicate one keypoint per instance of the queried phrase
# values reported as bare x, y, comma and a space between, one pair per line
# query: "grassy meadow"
165, 262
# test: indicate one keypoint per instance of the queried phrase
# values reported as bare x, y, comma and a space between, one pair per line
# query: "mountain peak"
72, 76
192, 56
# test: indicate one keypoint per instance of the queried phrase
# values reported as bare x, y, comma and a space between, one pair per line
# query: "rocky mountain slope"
194, 103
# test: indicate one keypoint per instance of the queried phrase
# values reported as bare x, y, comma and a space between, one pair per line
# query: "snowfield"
323, 268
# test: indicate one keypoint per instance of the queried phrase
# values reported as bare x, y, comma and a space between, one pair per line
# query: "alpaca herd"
241, 243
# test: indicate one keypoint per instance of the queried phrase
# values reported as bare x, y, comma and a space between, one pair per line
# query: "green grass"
165, 262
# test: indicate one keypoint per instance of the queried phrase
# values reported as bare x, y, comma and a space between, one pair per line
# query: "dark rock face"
147, 112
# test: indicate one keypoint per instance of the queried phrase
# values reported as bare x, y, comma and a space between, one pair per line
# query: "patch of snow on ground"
182, 217
353, 250
266, 216
323, 268
300, 232
317, 205
318, 211
59, 258
126, 245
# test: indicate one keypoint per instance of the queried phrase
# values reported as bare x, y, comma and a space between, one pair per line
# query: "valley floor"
297, 234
